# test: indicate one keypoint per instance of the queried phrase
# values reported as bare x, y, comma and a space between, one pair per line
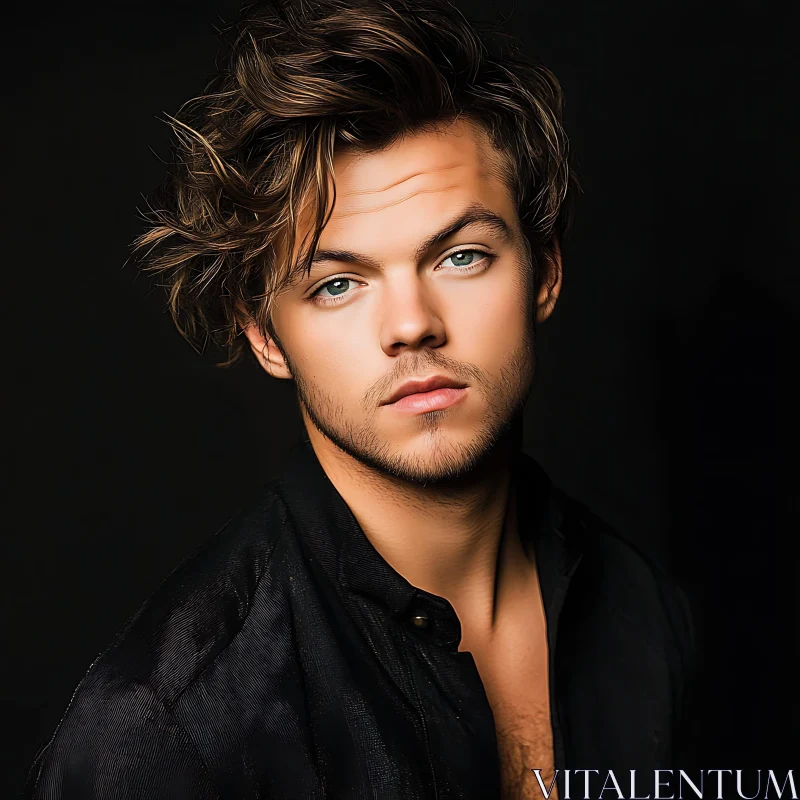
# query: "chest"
518, 693
513, 667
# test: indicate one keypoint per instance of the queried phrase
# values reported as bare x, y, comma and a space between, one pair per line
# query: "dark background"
663, 388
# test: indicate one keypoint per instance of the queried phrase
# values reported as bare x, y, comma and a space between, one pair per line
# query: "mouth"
430, 394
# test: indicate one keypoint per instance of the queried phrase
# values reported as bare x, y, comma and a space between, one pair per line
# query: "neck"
455, 540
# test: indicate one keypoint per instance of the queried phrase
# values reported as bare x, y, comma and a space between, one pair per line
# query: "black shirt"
285, 659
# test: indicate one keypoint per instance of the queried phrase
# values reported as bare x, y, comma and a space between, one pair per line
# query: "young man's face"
422, 271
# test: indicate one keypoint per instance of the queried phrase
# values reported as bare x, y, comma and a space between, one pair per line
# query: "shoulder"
639, 606
201, 605
647, 594
119, 720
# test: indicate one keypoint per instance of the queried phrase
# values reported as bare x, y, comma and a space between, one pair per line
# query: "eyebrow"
476, 214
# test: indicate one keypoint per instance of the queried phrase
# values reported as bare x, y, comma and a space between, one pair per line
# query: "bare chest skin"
513, 666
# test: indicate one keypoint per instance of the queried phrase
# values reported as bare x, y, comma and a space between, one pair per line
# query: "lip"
424, 402
421, 386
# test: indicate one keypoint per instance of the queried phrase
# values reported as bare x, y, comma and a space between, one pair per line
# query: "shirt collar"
331, 534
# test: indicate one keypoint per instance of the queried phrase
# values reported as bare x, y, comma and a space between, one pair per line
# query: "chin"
429, 459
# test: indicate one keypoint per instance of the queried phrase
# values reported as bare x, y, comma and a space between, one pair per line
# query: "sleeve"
121, 743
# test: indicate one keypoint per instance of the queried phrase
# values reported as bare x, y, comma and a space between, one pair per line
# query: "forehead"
397, 195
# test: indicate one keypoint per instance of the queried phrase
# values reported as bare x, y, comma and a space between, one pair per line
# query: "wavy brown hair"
302, 78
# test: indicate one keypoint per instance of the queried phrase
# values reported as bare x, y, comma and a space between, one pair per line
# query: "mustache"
421, 363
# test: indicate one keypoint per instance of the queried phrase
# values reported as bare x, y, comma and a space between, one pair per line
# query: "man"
373, 205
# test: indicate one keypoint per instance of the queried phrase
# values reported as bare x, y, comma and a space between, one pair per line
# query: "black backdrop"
662, 395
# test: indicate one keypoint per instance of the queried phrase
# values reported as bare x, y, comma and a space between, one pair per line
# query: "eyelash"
325, 301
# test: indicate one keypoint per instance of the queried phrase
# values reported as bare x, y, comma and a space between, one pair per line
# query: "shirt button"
420, 620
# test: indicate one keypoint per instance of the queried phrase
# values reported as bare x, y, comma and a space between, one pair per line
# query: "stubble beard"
443, 460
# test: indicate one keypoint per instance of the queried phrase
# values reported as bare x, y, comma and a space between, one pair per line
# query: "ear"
267, 352
551, 283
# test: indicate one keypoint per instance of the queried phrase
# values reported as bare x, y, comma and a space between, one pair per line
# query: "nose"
408, 316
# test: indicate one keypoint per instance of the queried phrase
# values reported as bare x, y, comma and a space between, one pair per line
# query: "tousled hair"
300, 79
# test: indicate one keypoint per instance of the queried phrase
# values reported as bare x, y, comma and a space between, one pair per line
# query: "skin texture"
431, 490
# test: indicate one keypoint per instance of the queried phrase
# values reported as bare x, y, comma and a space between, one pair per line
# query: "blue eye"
336, 287
464, 258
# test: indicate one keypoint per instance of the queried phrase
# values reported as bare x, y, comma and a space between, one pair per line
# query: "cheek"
328, 352
488, 317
